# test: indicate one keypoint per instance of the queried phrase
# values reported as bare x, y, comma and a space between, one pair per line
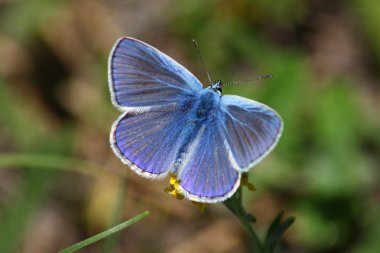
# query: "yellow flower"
244, 182
173, 190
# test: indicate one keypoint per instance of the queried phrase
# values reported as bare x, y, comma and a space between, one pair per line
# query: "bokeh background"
60, 182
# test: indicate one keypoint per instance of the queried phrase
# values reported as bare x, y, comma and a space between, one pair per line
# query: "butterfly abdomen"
201, 112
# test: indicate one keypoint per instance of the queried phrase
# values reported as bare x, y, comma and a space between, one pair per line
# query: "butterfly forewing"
142, 78
250, 128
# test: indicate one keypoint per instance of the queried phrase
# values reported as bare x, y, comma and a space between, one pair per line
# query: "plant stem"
234, 204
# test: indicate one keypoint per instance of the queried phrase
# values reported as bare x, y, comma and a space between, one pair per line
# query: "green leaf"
275, 223
104, 234
276, 230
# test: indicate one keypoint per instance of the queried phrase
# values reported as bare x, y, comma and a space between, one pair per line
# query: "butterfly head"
217, 86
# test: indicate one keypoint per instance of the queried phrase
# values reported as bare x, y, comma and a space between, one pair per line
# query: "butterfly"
170, 124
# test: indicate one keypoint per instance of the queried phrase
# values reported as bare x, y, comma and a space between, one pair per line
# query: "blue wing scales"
251, 129
209, 172
148, 142
142, 78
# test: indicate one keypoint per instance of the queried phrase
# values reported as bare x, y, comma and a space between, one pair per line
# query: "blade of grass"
104, 234
111, 242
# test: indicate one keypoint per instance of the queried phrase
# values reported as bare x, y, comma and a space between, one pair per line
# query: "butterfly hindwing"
251, 129
207, 174
148, 142
142, 78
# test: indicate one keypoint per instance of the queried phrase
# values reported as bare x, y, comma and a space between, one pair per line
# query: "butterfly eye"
217, 86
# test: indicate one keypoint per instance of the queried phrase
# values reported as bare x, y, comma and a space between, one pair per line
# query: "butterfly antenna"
203, 63
247, 81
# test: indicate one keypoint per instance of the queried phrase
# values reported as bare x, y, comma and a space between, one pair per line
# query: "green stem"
234, 204
255, 242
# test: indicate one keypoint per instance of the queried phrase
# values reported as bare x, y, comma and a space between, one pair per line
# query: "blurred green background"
60, 182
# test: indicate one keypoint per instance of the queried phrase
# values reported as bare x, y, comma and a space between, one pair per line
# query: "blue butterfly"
170, 124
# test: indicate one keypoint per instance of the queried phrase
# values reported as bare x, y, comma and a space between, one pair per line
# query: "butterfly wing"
207, 174
148, 142
142, 78
154, 91
250, 128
